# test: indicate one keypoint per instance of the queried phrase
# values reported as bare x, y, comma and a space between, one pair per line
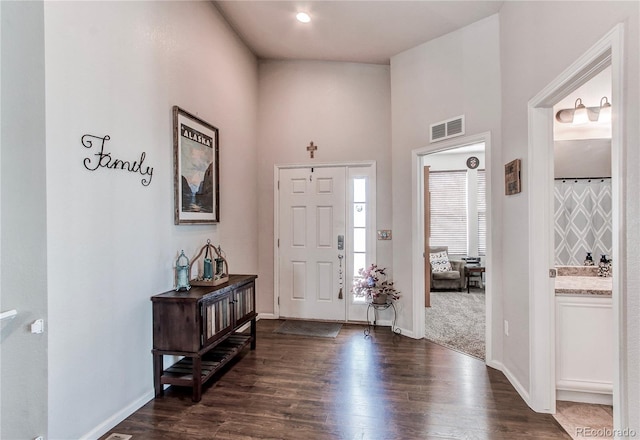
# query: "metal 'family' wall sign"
103, 159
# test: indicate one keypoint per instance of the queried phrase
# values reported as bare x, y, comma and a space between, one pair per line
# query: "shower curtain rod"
580, 178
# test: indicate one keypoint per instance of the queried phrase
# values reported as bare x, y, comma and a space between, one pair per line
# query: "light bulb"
605, 110
303, 17
580, 115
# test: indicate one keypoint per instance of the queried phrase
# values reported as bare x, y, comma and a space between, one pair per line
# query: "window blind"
482, 212
449, 210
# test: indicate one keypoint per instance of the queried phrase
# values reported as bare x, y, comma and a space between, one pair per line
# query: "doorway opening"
583, 248
420, 251
544, 324
455, 243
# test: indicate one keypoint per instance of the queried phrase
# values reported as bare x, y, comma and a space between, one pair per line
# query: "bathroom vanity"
584, 335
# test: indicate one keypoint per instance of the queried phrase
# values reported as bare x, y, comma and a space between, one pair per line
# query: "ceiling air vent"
447, 129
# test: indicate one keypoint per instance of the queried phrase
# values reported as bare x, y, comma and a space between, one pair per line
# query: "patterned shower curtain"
582, 220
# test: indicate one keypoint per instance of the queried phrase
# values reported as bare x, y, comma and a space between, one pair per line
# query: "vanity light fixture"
581, 114
605, 110
303, 17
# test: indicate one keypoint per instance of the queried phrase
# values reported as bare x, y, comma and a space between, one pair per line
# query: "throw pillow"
440, 262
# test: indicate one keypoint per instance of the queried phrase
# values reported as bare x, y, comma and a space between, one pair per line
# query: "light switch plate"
384, 234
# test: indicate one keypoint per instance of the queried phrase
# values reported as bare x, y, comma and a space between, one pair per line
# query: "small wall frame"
512, 183
196, 170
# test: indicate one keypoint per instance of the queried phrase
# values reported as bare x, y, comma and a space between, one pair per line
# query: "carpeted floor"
457, 320
310, 328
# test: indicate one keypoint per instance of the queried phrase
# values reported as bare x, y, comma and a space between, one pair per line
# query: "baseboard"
495, 364
118, 417
408, 333
584, 397
515, 383
266, 316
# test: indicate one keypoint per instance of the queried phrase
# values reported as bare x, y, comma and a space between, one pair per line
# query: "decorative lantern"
182, 272
209, 277
208, 267
220, 262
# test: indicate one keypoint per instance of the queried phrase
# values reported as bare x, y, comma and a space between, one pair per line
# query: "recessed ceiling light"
303, 17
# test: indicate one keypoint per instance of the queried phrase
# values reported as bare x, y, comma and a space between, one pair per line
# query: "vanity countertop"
584, 285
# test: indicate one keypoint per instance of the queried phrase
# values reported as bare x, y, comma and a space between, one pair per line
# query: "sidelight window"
361, 223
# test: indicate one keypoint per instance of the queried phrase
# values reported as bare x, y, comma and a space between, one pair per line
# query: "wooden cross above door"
311, 148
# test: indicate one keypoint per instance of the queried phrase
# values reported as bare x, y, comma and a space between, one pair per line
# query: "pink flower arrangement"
372, 283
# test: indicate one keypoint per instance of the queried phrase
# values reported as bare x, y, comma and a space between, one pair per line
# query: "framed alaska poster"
196, 176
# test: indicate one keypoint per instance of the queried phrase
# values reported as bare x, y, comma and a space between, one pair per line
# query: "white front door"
311, 218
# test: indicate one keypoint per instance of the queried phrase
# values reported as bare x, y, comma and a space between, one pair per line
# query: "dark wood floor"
350, 387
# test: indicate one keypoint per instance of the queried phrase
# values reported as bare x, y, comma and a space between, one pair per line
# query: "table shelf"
181, 373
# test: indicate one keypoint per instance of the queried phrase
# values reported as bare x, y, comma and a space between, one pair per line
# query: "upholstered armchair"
448, 280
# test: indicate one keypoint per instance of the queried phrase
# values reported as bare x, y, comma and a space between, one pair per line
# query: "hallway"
383, 387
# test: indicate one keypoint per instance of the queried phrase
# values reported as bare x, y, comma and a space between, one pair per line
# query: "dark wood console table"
201, 324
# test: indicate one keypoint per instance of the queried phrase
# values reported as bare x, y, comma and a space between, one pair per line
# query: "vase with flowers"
372, 284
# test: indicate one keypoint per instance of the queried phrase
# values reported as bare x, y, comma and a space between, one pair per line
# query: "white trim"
417, 227
119, 416
266, 316
276, 220
495, 364
276, 237
408, 333
580, 396
590, 386
362, 163
540, 170
512, 379
618, 158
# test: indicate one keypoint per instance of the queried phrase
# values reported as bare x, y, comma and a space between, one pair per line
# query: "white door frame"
417, 197
542, 331
276, 224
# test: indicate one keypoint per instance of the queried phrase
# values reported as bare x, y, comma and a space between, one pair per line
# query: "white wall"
23, 236
456, 74
539, 40
582, 158
344, 108
117, 68
452, 160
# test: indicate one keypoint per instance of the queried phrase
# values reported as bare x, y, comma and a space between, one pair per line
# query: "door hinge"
278, 185
278, 242
278, 300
